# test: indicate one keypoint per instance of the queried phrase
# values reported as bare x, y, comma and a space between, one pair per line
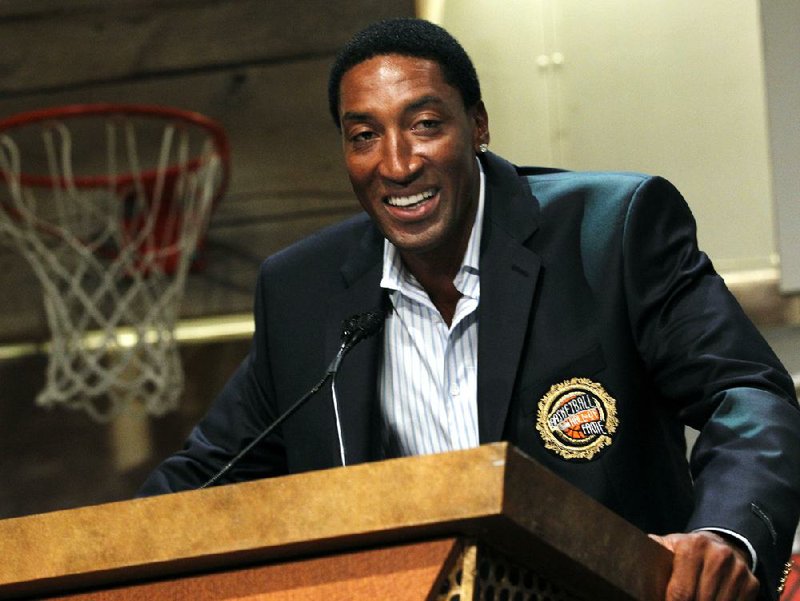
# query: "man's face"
409, 147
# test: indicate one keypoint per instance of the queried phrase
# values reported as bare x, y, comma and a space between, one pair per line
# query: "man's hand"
708, 567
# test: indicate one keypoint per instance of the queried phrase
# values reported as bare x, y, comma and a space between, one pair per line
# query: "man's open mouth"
410, 201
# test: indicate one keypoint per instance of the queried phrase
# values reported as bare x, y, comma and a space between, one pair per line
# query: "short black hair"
406, 37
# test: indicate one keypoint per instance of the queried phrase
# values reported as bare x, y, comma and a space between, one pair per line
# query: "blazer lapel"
356, 382
509, 272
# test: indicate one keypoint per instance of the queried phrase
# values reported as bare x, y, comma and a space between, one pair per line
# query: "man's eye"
426, 124
362, 136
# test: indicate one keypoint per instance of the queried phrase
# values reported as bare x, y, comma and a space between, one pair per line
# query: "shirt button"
455, 390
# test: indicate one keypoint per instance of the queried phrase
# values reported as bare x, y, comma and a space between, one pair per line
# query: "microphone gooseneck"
354, 329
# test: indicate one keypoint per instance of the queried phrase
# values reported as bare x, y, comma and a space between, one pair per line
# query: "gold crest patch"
577, 418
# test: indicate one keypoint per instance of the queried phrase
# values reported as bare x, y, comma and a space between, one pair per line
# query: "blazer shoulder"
601, 196
550, 184
326, 248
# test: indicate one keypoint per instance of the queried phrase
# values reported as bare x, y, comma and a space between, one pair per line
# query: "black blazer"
590, 281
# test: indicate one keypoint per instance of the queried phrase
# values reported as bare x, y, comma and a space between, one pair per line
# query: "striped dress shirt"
428, 379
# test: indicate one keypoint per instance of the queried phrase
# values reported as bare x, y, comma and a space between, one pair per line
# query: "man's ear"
481, 120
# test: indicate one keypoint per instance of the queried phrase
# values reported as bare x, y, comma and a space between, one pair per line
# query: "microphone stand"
354, 330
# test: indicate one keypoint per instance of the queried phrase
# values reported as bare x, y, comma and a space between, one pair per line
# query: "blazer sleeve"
237, 416
718, 376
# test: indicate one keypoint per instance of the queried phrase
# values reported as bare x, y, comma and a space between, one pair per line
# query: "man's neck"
437, 280
436, 270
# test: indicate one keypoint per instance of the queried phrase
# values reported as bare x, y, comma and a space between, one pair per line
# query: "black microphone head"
362, 325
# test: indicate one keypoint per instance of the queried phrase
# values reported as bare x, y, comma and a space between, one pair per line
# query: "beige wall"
781, 24
671, 88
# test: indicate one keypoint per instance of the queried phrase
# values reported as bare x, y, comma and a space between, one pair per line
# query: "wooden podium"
487, 523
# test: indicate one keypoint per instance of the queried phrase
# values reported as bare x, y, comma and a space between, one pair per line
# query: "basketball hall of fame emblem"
577, 418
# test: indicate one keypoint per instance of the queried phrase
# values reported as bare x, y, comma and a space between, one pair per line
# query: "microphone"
354, 329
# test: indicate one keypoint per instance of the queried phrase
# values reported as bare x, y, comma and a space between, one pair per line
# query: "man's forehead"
392, 65
411, 105
410, 81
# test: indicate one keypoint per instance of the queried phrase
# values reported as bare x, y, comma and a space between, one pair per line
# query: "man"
570, 314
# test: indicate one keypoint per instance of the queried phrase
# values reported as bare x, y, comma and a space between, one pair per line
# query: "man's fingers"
726, 574
664, 541
706, 567
718, 579
687, 567
741, 585
736, 581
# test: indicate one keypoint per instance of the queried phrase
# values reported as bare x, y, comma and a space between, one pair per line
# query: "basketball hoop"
109, 204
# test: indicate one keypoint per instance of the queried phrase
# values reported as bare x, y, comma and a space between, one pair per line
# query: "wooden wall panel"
67, 44
287, 175
276, 118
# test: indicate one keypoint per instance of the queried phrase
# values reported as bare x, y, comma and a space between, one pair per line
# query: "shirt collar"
395, 275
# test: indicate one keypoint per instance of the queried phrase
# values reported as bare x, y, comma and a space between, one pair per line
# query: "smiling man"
410, 146
568, 313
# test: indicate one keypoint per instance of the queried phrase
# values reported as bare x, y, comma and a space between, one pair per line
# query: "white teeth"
407, 201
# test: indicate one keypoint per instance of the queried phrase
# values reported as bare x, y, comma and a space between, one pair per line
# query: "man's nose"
400, 163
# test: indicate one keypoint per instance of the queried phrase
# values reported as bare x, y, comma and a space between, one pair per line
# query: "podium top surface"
492, 493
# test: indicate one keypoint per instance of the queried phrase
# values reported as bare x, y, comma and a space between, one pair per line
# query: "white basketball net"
112, 258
